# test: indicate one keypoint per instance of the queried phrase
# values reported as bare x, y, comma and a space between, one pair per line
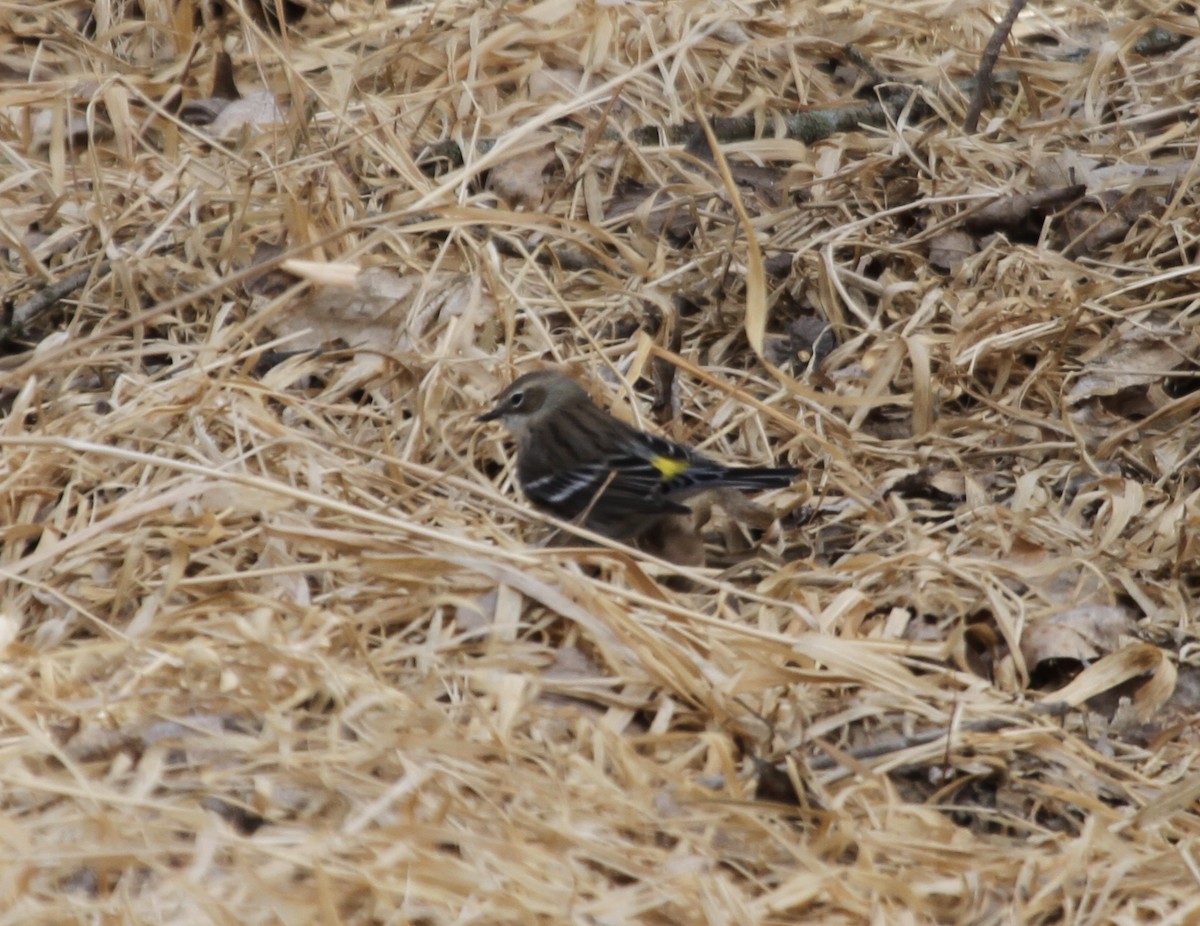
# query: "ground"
282, 641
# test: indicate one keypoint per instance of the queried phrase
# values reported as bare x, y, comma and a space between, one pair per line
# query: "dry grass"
280, 641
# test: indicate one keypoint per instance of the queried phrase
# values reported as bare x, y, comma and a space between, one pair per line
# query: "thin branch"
983, 77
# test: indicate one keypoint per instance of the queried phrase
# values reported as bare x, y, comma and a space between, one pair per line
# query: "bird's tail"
757, 477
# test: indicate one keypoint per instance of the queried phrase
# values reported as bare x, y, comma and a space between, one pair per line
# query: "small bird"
579, 462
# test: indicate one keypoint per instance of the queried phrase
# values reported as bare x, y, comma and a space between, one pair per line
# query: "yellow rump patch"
669, 466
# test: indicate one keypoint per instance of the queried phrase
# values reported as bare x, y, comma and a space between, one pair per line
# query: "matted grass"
283, 644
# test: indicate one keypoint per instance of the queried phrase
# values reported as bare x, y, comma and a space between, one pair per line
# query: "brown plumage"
575, 458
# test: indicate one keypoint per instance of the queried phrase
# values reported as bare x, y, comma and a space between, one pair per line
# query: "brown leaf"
521, 180
380, 310
676, 539
1022, 213
256, 111
948, 250
1082, 634
654, 210
1137, 354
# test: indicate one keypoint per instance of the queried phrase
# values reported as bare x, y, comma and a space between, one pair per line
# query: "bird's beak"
489, 416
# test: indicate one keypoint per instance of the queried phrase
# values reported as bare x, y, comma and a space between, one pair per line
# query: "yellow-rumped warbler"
575, 459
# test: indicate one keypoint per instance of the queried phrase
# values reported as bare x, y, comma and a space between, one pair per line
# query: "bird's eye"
516, 399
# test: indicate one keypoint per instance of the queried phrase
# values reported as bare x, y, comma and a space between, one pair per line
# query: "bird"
578, 462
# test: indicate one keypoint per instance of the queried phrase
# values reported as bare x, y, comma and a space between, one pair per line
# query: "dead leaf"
949, 250
563, 83
1137, 354
676, 539
1021, 214
257, 111
381, 311
1099, 177
474, 617
92, 744
521, 180
654, 210
1089, 227
1136, 661
1082, 634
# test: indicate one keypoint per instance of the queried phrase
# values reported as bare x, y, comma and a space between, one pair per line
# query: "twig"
671, 333
983, 77
52, 294
887, 747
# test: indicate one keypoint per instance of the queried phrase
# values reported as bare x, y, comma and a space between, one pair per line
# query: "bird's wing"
569, 491
641, 485
629, 485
